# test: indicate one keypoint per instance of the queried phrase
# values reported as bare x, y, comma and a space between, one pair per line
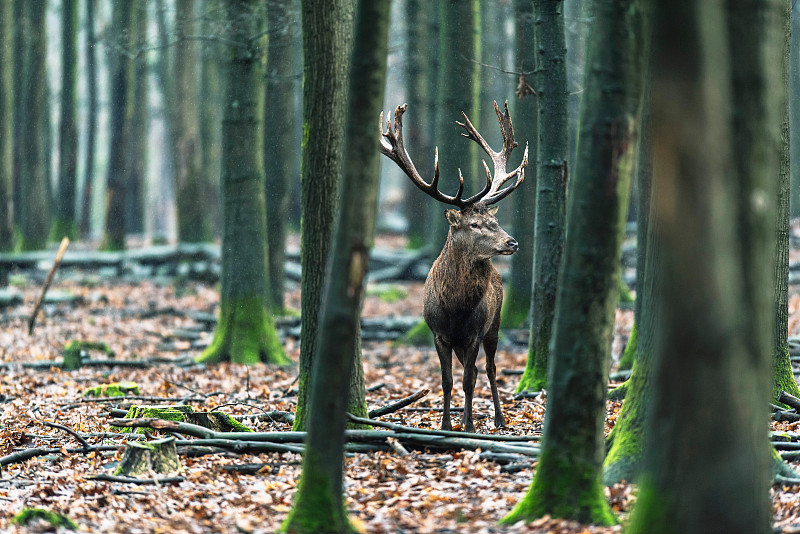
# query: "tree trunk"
65, 223
278, 143
567, 480
246, 331
327, 36
210, 116
783, 379
319, 503
194, 224
121, 72
91, 121
6, 129
35, 204
459, 86
718, 169
137, 155
551, 186
794, 113
419, 41
517, 302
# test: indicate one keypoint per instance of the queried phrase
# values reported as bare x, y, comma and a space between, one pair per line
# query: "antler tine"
498, 194
475, 198
391, 146
506, 129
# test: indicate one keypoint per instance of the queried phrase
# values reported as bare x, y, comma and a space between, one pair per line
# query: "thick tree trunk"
6, 130
35, 204
91, 122
551, 186
278, 143
567, 481
327, 36
121, 72
137, 155
517, 301
65, 223
716, 124
246, 331
319, 504
211, 116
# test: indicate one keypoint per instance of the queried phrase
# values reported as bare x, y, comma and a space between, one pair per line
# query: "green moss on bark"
629, 355
567, 491
26, 515
116, 389
245, 334
783, 376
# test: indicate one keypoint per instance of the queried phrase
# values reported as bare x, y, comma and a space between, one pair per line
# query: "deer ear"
492, 211
453, 217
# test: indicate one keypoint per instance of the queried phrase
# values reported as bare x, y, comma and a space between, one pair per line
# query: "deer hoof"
500, 423
446, 425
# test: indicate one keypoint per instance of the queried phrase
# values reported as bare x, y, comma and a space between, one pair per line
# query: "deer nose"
512, 244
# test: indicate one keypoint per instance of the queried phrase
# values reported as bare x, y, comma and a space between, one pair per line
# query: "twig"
397, 446
445, 433
27, 454
72, 433
131, 480
134, 397
397, 405
168, 381
59, 255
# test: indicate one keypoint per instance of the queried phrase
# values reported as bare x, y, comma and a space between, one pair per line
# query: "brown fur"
463, 296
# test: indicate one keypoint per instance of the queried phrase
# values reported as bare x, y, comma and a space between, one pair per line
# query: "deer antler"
392, 147
499, 159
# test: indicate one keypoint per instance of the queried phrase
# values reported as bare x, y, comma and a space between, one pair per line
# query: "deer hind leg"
490, 347
445, 353
470, 377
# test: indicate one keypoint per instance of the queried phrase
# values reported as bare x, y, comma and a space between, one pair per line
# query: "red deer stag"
463, 291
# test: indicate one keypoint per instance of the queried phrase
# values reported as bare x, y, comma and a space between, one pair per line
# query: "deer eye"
474, 225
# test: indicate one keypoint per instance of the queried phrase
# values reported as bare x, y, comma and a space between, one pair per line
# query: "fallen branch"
27, 454
131, 480
789, 400
397, 405
445, 433
59, 255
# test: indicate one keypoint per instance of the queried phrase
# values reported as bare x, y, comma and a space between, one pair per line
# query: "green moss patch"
116, 389
387, 292
75, 352
419, 334
57, 520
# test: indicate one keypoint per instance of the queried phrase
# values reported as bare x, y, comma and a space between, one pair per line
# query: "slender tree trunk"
418, 72
319, 504
783, 379
327, 37
210, 116
717, 228
459, 85
20, 48
246, 331
794, 112
567, 481
91, 121
278, 143
137, 155
65, 223
517, 302
35, 204
121, 73
6, 127
551, 186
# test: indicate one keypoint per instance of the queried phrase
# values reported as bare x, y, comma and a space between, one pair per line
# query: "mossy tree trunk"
121, 72
91, 122
65, 224
319, 503
567, 480
420, 40
783, 379
327, 38
137, 154
34, 210
517, 301
550, 84
278, 142
6, 129
458, 87
716, 127
246, 331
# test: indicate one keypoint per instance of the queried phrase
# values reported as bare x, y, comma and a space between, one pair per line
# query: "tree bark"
6, 127
211, 116
327, 37
246, 331
551, 186
717, 112
319, 504
137, 155
91, 122
567, 480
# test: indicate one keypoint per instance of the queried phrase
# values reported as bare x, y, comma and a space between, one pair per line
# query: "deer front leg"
445, 353
470, 376
490, 347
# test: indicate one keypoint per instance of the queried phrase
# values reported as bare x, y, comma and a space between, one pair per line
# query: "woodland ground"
422, 492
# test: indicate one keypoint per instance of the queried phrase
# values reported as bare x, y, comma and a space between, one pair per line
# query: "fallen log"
397, 405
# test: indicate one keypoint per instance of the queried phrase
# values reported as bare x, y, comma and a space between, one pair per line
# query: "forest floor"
425, 491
